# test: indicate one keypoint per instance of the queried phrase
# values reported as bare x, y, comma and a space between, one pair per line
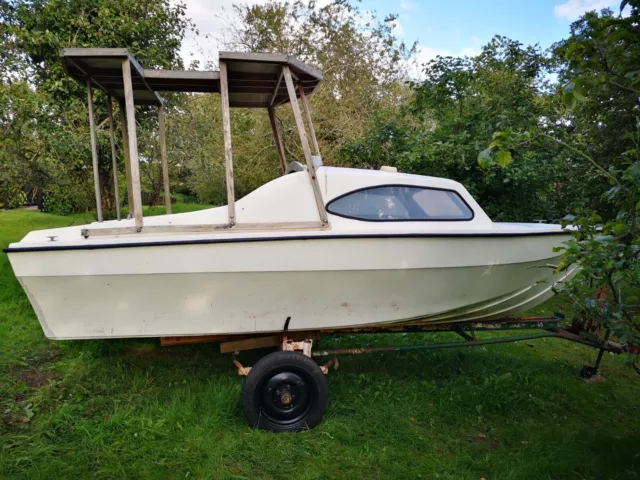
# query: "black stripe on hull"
168, 243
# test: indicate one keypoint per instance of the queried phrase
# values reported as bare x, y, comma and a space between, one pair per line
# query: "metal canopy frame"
245, 80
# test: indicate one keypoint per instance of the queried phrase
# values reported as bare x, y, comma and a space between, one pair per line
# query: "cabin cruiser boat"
399, 249
318, 249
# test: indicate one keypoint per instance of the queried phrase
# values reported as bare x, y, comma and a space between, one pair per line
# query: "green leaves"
573, 92
633, 173
620, 229
504, 158
492, 156
499, 150
485, 158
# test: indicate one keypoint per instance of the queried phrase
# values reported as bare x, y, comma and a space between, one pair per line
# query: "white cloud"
398, 30
426, 53
573, 9
210, 19
408, 5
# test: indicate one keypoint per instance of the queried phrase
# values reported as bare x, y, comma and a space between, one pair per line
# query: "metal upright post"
94, 152
226, 126
165, 162
305, 143
114, 158
132, 143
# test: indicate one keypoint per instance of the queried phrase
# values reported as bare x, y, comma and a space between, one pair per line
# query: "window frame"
422, 187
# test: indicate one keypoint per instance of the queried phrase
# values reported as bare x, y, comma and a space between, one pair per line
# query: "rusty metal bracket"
326, 366
243, 371
305, 346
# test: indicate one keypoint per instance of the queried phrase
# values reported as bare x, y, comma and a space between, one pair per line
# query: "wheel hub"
286, 397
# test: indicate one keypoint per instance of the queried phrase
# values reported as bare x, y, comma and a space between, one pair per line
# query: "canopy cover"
254, 79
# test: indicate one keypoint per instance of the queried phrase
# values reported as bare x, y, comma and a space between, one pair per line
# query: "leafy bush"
63, 200
11, 195
601, 88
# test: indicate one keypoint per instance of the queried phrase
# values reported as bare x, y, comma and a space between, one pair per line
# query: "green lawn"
131, 409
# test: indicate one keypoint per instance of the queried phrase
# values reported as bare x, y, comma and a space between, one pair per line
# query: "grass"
130, 409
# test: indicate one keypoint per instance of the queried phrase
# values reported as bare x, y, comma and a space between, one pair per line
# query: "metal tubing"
522, 323
165, 162
572, 337
551, 333
114, 158
435, 346
94, 152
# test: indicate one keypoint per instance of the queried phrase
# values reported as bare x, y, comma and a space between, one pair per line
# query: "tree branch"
583, 155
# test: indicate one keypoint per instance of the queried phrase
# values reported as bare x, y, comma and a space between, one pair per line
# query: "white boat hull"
239, 287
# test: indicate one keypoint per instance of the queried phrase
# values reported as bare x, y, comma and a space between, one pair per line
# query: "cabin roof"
254, 78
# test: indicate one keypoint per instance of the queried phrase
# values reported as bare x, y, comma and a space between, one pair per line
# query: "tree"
362, 62
363, 67
33, 33
452, 117
599, 67
195, 143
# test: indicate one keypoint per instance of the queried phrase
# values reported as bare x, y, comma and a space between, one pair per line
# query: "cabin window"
390, 203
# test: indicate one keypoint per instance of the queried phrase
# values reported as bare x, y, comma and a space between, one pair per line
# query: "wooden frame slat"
94, 151
130, 115
114, 157
127, 163
275, 90
250, 343
206, 228
165, 162
278, 139
226, 127
311, 170
307, 113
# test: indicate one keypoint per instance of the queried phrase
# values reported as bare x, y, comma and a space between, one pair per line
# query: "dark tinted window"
400, 202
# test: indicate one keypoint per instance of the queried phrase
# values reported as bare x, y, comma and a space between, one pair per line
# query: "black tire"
285, 392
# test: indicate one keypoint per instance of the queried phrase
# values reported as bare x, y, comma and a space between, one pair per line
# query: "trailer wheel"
285, 392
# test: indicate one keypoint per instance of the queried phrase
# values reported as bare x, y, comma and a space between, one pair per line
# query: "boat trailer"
552, 328
286, 390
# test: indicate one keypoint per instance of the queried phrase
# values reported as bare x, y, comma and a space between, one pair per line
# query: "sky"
441, 27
